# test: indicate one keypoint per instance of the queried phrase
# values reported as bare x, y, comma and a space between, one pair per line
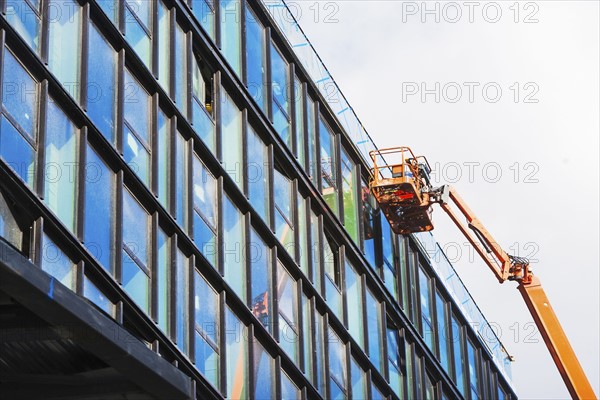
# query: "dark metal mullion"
293, 104
220, 242
45, 33
172, 81
359, 205
271, 188
363, 300
278, 371
40, 178
269, 79
300, 328
223, 343
81, 183
244, 161
172, 323
172, 169
249, 362
79, 277
154, 269
247, 266
154, 145
305, 143
217, 112
325, 368
119, 230
243, 60
317, 154
191, 307
37, 231
383, 337
342, 286
275, 291
120, 101
155, 38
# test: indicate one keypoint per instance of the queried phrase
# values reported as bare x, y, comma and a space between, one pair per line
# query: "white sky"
374, 49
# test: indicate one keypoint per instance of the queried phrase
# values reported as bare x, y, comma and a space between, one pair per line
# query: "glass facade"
184, 174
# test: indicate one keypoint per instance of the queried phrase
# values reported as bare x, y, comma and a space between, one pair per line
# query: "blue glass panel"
205, 239
459, 377
288, 313
255, 59
16, 151
231, 33
164, 156
137, 107
164, 46
22, 17
207, 360
231, 137
426, 314
289, 391
111, 8
236, 356
181, 174
65, 38
263, 369
181, 88
280, 82
57, 264
141, 8
182, 301
92, 293
101, 84
61, 165
136, 231
136, 283
136, 156
258, 174
99, 209
260, 266
206, 306
163, 277
373, 314
233, 245
328, 167
354, 304
19, 94
204, 11
359, 381
137, 37
337, 364
204, 126
443, 335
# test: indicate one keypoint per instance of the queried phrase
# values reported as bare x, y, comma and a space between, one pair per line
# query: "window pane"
328, 167
337, 365
302, 234
263, 367
204, 197
57, 264
164, 46
233, 244
99, 209
282, 188
137, 28
136, 141
459, 377
373, 314
101, 84
307, 328
95, 295
202, 104
164, 156
204, 11
65, 38
299, 121
288, 313
315, 249
181, 88
163, 276
255, 56
181, 181
394, 360
349, 196
319, 381
9, 229
206, 306
231, 138
182, 271
260, 267
27, 24
289, 391
16, 151
359, 381
60, 168
231, 33
111, 8
280, 93
426, 317
473, 372
354, 304
237, 353
19, 95
332, 279
313, 151
258, 174
442, 331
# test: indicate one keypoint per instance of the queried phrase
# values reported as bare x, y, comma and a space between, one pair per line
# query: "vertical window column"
206, 328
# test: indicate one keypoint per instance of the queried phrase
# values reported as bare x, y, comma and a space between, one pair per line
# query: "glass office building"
185, 213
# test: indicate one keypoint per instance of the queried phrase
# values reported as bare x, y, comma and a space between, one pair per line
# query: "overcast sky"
515, 128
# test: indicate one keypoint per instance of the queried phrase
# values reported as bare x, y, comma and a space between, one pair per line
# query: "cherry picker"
401, 185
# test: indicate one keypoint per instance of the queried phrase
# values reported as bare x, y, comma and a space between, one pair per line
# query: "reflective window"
255, 59
443, 334
374, 321
394, 360
111, 8
329, 185
9, 228
231, 138
136, 234
473, 370
181, 181
370, 217
164, 46
307, 333
233, 246
206, 306
138, 28
236, 356
205, 211
25, 17
163, 148
313, 150
202, 103
349, 199
284, 228
65, 38
426, 310
230, 11
263, 368
57, 264
359, 380
257, 170
101, 84
204, 11
99, 207
389, 268
182, 274
280, 94
61, 165
136, 129
288, 312
315, 250
320, 371
338, 378
95, 295
181, 70
299, 93
163, 277
457, 337
333, 292
303, 234
354, 291
260, 267
18, 118
289, 391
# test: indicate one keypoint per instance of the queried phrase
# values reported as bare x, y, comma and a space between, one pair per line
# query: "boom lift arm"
404, 192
